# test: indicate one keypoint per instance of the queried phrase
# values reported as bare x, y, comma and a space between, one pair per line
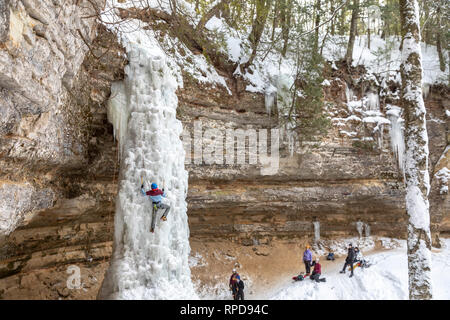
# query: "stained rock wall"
58, 157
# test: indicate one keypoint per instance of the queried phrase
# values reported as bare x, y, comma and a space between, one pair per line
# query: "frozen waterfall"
316, 230
142, 108
396, 134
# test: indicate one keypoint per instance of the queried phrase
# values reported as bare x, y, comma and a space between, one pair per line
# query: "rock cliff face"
59, 165
340, 184
58, 158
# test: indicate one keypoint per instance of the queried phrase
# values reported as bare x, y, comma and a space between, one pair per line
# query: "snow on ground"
385, 279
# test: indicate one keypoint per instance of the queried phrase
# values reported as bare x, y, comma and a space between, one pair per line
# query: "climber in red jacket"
156, 196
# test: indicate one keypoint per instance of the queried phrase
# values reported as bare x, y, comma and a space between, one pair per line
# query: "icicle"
425, 89
316, 230
396, 134
380, 135
373, 101
269, 100
118, 113
349, 93
367, 230
359, 228
290, 135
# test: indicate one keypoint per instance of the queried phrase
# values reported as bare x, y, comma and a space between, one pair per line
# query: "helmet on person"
154, 186
234, 270
317, 259
308, 246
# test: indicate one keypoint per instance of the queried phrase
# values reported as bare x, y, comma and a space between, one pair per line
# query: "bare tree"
262, 11
416, 158
353, 29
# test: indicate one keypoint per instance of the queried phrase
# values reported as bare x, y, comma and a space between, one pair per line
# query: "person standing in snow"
240, 290
349, 260
234, 280
156, 196
317, 271
307, 259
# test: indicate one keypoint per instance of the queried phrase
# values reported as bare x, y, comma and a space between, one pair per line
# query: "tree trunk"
332, 8
285, 21
439, 40
342, 20
317, 24
351, 40
262, 10
276, 14
416, 155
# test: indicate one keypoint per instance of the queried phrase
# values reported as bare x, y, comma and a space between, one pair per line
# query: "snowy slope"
386, 279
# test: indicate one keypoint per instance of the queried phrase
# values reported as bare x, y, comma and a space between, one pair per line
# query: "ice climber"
156, 196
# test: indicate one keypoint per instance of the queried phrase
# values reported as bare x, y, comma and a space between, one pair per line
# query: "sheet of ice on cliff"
148, 265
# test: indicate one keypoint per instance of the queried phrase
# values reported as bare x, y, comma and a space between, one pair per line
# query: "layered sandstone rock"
59, 164
341, 184
58, 157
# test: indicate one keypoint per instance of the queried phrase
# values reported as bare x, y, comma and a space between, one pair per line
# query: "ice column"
396, 134
367, 230
316, 230
359, 228
373, 101
147, 265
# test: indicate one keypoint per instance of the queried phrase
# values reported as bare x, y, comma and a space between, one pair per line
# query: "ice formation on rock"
396, 134
147, 265
316, 230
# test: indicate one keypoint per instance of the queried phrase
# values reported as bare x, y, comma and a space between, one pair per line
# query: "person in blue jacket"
156, 196
307, 259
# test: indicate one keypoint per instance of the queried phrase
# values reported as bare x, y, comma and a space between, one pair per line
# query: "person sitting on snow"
156, 196
317, 271
359, 258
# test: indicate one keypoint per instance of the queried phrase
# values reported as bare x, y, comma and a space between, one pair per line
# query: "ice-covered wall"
148, 265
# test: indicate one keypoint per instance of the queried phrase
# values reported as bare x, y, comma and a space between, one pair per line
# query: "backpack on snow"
330, 256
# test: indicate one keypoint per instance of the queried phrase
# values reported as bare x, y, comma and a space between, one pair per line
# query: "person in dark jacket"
234, 284
240, 290
307, 259
317, 271
349, 260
